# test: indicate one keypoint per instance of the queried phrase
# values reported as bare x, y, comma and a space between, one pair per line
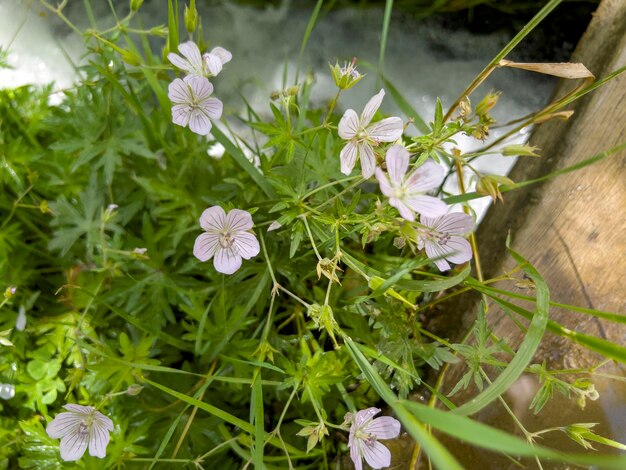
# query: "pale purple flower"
193, 105
362, 136
227, 239
364, 435
406, 193
441, 236
199, 65
79, 427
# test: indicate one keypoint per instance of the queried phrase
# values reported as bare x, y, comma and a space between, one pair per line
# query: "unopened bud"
490, 186
487, 103
134, 390
135, 4
191, 16
520, 150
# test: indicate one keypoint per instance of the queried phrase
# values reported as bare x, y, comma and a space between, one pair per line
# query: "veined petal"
455, 223
199, 122
178, 92
348, 125
213, 218
355, 454
181, 114
388, 130
104, 421
213, 108
383, 181
371, 107
384, 427
201, 87
73, 446
213, 63
238, 220
180, 63
426, 205
397, 163
206, 245
376, 455
426, 177
459, 250
246, 244
348, 158
405, 212
226, 261
98, 440
224, 55
82, 409
364, 416
437, 253
368, 160
63, 424
191, 52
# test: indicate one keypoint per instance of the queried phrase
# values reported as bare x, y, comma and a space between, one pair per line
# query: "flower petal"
368, 160
213, 108
238, 220
371, 107
191, 52
397, 163
405, 212
437, 253
213, 218
355, 454
426, 177
388, 130
383, 182
205, 246
348, 125
364, 416
181, 114
73, 446
82, 409
178, 92
376, 455
213, 63
348, 158
63, 424
384, 427
459, 251
246, 244
224, 55
426, 205
455, 223
180, 63
226, 261
199, 122
98, 440
105, 421
201, 87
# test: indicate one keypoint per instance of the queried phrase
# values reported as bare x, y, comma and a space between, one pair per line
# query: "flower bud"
490, 186
520, 150
135, 4
134, 390
191, 16
487, 103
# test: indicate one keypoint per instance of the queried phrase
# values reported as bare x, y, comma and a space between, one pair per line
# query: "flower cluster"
440, 233
191, 96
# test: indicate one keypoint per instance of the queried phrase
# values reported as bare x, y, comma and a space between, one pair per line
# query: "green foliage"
100, 205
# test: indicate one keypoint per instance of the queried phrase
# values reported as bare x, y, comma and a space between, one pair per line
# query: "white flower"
79, 427
227, 239
199, 65
442, 240
193, 106
362, 136
406, 193
364, 435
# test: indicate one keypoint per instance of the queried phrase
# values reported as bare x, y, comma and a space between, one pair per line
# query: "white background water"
422, 59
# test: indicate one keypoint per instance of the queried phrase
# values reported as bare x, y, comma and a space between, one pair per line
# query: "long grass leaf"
526, 350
